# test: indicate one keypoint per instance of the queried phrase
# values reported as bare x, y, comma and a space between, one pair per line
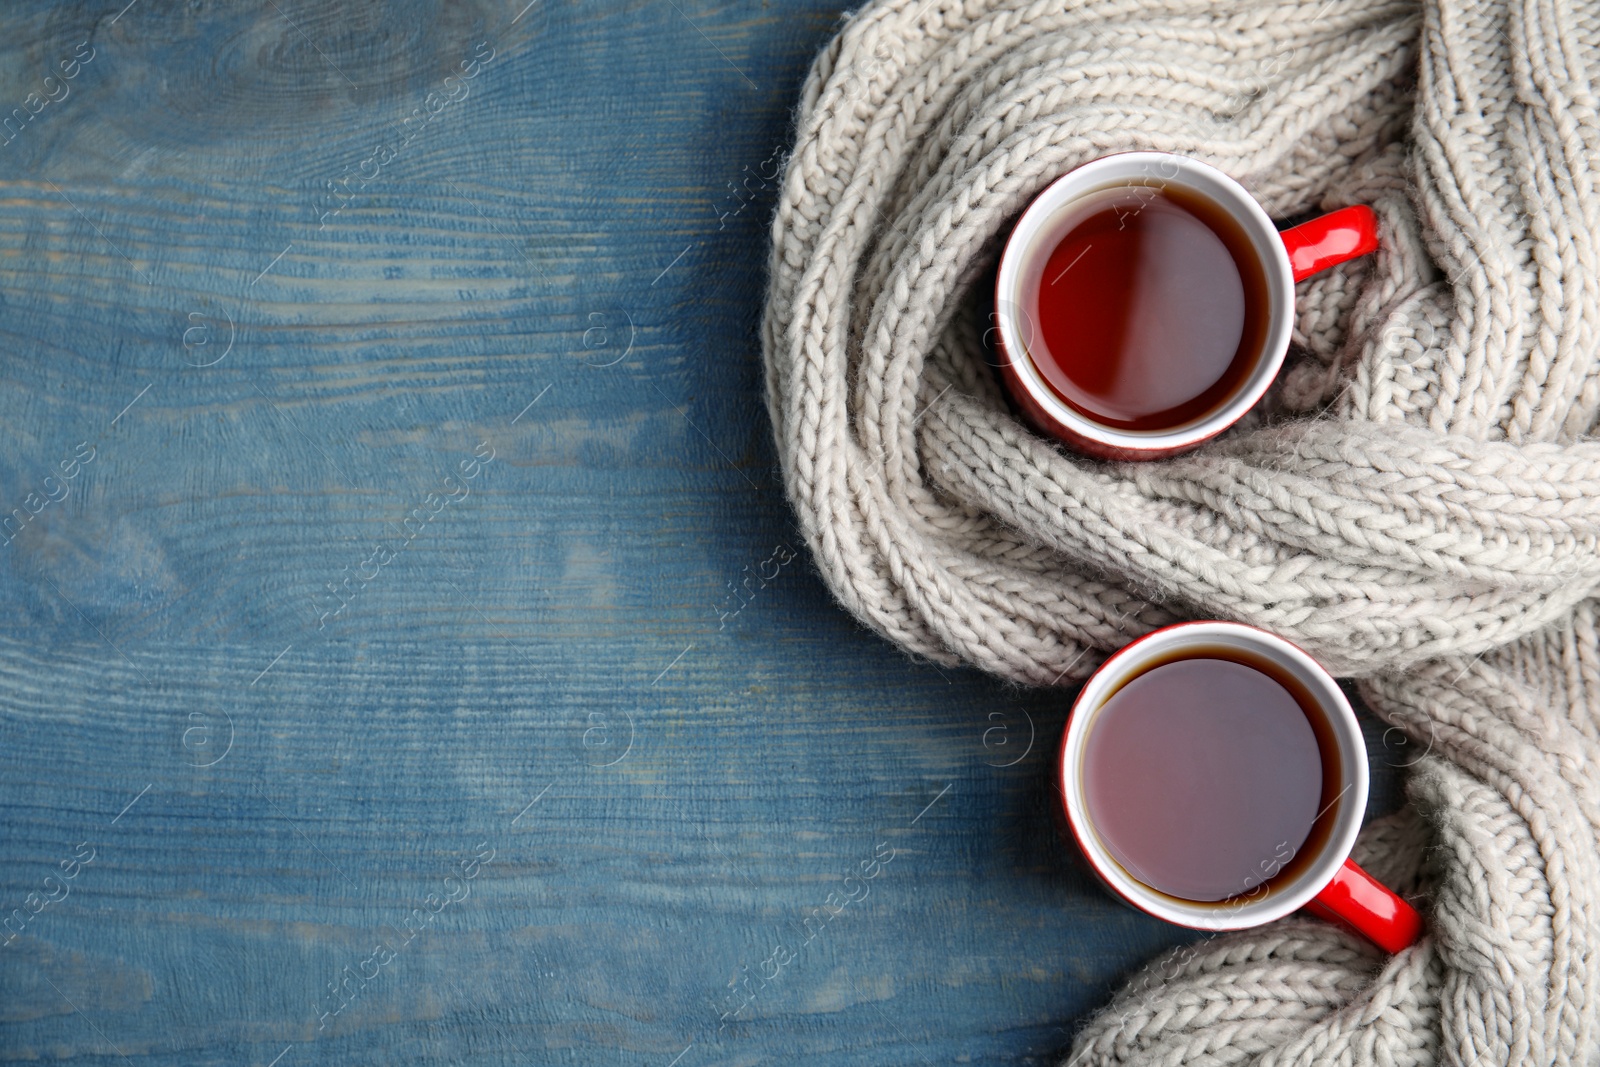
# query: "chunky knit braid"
1417, 502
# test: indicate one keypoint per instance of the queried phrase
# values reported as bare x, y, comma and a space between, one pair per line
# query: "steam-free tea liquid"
1204, 776
1151, 309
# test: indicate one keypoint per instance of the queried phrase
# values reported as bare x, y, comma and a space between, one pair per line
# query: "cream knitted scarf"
1417, 503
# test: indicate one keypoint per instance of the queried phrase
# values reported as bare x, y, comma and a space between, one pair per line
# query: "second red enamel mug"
1316, 874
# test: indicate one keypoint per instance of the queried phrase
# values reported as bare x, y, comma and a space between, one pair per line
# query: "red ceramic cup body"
1325, 882
1285, 258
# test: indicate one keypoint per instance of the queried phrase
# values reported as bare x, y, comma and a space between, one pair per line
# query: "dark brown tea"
1207, 777
1152, 308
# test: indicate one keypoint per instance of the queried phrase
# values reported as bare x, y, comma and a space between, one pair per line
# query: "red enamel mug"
1284, 258
1321, 878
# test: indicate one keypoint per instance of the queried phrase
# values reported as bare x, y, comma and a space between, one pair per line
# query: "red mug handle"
1359, 902
1330, 240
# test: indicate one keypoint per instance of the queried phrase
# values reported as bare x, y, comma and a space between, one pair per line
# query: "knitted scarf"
1416, 503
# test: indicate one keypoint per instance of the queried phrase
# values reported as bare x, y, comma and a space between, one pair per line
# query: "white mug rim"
1225, 914
1221, 190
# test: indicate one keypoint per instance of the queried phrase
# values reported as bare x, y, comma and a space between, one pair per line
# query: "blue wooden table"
409, 655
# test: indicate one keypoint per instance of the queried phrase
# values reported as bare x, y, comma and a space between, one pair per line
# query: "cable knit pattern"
1417, 502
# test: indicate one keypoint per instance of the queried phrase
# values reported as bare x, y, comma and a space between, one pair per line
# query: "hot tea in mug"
1144, 302
1215, 776
1205, 775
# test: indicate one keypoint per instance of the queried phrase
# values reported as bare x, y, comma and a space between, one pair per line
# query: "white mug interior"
1275, 898
1035, 235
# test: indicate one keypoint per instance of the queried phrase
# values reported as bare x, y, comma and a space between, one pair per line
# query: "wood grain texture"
285, 656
